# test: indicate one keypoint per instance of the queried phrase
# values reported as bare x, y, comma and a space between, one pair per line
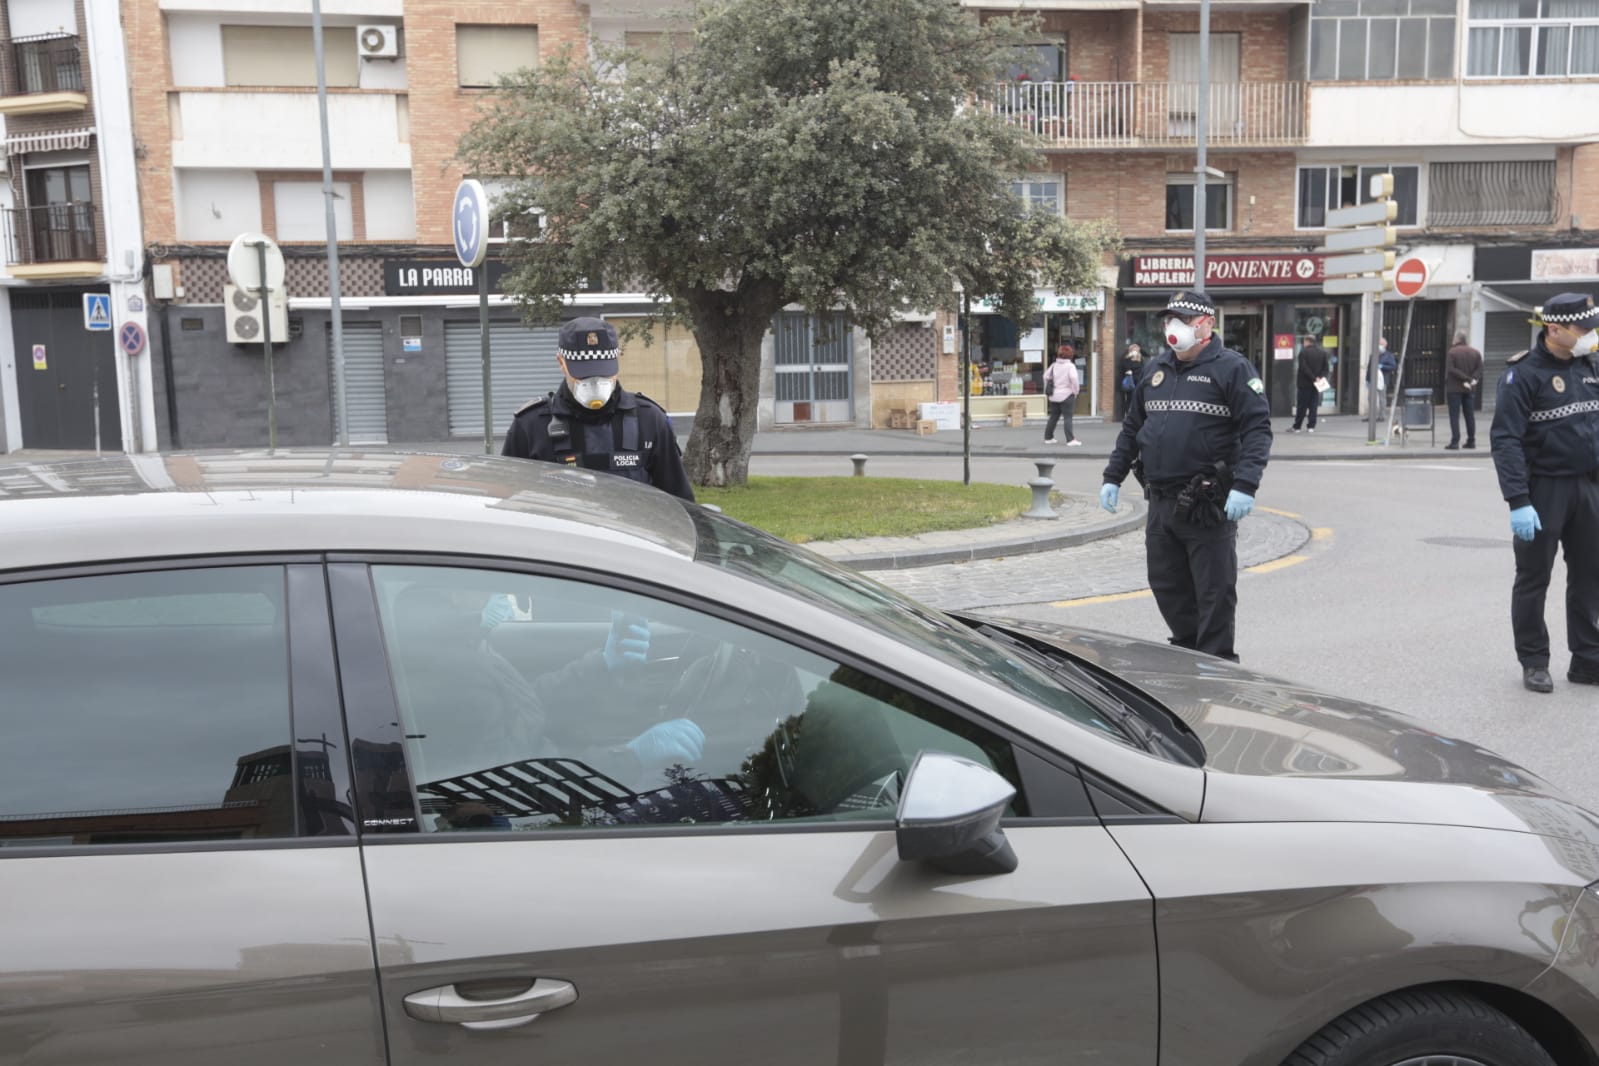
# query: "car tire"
1404, 1027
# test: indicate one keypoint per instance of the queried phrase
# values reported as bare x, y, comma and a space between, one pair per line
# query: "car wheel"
1422, 1029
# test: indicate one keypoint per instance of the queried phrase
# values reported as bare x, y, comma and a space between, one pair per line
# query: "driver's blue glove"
1108, 495
497, 610
628, 641
1239, 504
1524, 523
678, 740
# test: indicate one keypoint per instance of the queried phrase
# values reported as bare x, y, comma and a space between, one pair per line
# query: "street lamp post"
1202, 122
341, 403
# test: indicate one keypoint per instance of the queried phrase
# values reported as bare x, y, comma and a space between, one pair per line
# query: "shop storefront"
1268, 305
1511, 280
1008, 362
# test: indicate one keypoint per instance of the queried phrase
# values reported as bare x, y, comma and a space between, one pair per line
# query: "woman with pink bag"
1061, 386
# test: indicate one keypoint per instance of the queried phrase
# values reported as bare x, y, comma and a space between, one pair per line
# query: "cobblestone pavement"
1102, 568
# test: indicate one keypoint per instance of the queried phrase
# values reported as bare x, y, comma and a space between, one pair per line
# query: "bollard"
1041, 487
860, 464
1046, 467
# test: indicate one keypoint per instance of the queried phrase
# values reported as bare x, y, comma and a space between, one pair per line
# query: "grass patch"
801, 509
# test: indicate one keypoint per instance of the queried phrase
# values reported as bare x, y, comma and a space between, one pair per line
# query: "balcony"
54, 240
234, 128
41, 74
1162, 114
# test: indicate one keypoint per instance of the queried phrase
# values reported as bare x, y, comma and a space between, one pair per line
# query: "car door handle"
445, 1004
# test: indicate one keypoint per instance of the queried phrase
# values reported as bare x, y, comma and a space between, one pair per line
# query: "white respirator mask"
1181, 335
1586, 344
593, 393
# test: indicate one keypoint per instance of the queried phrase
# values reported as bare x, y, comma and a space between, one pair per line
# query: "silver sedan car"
343, 757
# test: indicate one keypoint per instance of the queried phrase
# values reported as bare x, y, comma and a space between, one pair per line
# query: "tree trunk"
729, 327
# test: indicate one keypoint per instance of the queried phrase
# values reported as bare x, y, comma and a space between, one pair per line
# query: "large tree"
826, 153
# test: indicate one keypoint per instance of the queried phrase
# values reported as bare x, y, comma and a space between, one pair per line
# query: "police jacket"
1185, 417
630, 436
1546, 420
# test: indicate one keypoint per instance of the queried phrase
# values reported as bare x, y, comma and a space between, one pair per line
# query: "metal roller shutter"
1506, 333
366, 400
521, 362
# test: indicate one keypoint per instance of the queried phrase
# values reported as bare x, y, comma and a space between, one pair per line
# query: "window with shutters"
485, 54
1497, 193
285, 56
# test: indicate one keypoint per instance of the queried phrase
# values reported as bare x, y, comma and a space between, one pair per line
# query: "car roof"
333, 499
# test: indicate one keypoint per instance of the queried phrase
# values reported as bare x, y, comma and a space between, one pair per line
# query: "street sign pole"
483, 331
966, 388
1202, 122
340, 399
266, 348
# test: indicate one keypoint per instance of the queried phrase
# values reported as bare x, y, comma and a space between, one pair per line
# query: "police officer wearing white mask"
1546, 452
593, 423
1199, 424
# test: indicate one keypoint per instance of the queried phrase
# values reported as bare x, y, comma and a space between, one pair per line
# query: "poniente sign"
1177, 271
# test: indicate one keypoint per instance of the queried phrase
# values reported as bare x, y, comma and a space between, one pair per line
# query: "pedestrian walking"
1132, 366
1387, 366
1314, 366
1545, 440
1462, 375
1200, 427
592, 422
1061, 386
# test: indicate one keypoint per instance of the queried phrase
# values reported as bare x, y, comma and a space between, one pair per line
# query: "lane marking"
1115, 597
1276, 564
1275, 511
1321, 533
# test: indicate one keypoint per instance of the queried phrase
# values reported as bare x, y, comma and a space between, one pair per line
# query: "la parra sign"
437, 277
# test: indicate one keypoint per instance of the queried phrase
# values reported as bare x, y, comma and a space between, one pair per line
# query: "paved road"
1394, 586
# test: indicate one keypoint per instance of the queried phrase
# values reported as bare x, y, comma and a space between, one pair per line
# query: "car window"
778, 564
540, 703
147, 707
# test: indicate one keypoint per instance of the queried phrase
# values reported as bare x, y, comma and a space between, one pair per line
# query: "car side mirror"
949, 814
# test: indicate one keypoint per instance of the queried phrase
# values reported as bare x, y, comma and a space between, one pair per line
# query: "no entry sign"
1410, 277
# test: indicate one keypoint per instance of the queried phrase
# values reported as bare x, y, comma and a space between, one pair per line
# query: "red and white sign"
1221, 271
1410, 277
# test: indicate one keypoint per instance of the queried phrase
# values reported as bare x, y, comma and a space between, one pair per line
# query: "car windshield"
731, 545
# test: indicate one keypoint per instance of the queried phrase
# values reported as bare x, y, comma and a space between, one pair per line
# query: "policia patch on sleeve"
1257, 385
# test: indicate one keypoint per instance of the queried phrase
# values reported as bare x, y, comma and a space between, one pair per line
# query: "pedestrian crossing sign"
97, 311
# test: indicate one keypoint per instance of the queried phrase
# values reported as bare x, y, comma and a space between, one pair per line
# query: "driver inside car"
470, 708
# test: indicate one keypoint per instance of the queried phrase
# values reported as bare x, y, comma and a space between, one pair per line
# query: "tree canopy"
826, 153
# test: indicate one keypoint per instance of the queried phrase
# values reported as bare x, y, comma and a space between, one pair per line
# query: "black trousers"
1309, 402
1193, 573
1462, 403
1568, 508
1058, 411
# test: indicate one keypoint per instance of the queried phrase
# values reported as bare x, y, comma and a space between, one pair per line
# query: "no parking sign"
131, 338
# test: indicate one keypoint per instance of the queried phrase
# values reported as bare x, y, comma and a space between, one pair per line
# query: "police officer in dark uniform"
1546, 452
593, 423
1199, 423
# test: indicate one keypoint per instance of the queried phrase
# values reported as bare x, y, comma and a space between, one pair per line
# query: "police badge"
1156, 378
1559, 384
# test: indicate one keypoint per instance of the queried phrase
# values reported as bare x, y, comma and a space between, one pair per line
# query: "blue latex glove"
628, 642
678, 740
1239, 504
497, 610
1524, 523
1108, 495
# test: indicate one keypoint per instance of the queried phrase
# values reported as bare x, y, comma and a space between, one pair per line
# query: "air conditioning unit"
242, 310
377, 41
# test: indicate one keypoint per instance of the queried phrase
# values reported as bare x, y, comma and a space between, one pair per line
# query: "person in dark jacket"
1462, 375
1131, 368
1314, 365
592, 422
1546, 452
1199, 423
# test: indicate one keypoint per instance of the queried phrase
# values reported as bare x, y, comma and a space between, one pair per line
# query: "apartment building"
69, 218
1483, 110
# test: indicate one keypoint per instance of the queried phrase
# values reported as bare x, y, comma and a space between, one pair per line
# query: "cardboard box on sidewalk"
926, 427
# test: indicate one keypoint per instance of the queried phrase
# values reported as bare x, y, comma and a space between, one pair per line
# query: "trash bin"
1418, 408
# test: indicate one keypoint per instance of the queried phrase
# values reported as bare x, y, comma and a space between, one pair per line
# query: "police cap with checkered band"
1569, 309
1190, 302
589, 347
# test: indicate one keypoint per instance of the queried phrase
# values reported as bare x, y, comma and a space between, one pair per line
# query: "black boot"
1537, 679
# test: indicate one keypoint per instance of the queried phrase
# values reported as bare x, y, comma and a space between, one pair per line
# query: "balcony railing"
47, 63
53, 233
1123, 114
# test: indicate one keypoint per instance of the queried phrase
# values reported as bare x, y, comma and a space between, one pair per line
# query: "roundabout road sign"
470, 219
245, 260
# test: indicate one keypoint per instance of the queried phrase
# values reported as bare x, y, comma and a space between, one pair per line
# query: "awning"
51, 141
1525, 295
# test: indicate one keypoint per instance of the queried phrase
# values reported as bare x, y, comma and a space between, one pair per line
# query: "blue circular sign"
131, 337
470, 220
